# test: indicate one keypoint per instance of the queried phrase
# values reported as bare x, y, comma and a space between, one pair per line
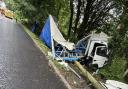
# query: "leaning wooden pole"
95, 83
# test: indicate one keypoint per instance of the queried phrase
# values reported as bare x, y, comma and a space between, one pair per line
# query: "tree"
30, 10
89, 15
71, 17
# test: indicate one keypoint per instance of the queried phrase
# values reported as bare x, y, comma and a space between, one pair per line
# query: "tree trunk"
71, 18
83, 25
77, 16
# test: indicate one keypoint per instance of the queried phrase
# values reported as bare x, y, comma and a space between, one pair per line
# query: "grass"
38, 42
42, 46
61, 67
115, 70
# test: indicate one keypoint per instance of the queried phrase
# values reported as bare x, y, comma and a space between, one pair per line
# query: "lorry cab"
100, 56
98, 53
96, 49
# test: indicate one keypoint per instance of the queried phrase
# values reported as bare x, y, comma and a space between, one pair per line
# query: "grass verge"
115, 70
53, 63
38, 42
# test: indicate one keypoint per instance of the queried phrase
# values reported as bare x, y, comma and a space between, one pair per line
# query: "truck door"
100, 56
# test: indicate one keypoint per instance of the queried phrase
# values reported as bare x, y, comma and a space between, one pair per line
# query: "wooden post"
95, 83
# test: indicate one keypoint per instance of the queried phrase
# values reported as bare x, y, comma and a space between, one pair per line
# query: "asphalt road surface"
22, 65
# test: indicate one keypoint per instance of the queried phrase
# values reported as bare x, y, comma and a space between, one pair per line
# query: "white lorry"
96, 52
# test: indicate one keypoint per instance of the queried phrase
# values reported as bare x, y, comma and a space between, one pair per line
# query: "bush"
114, 70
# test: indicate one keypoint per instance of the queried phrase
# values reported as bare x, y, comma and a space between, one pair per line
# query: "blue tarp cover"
45, 35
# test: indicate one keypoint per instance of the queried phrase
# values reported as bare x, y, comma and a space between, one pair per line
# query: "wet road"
22, 65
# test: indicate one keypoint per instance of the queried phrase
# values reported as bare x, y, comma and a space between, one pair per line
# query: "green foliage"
38, 42
119, 40
119, 46
63, 18
27, 11
114, 70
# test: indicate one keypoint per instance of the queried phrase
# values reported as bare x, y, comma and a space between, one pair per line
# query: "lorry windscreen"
102, 51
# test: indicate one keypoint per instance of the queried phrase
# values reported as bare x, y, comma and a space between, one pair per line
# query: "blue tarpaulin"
45, 35
51, 32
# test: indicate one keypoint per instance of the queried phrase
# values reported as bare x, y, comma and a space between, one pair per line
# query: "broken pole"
94, 82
